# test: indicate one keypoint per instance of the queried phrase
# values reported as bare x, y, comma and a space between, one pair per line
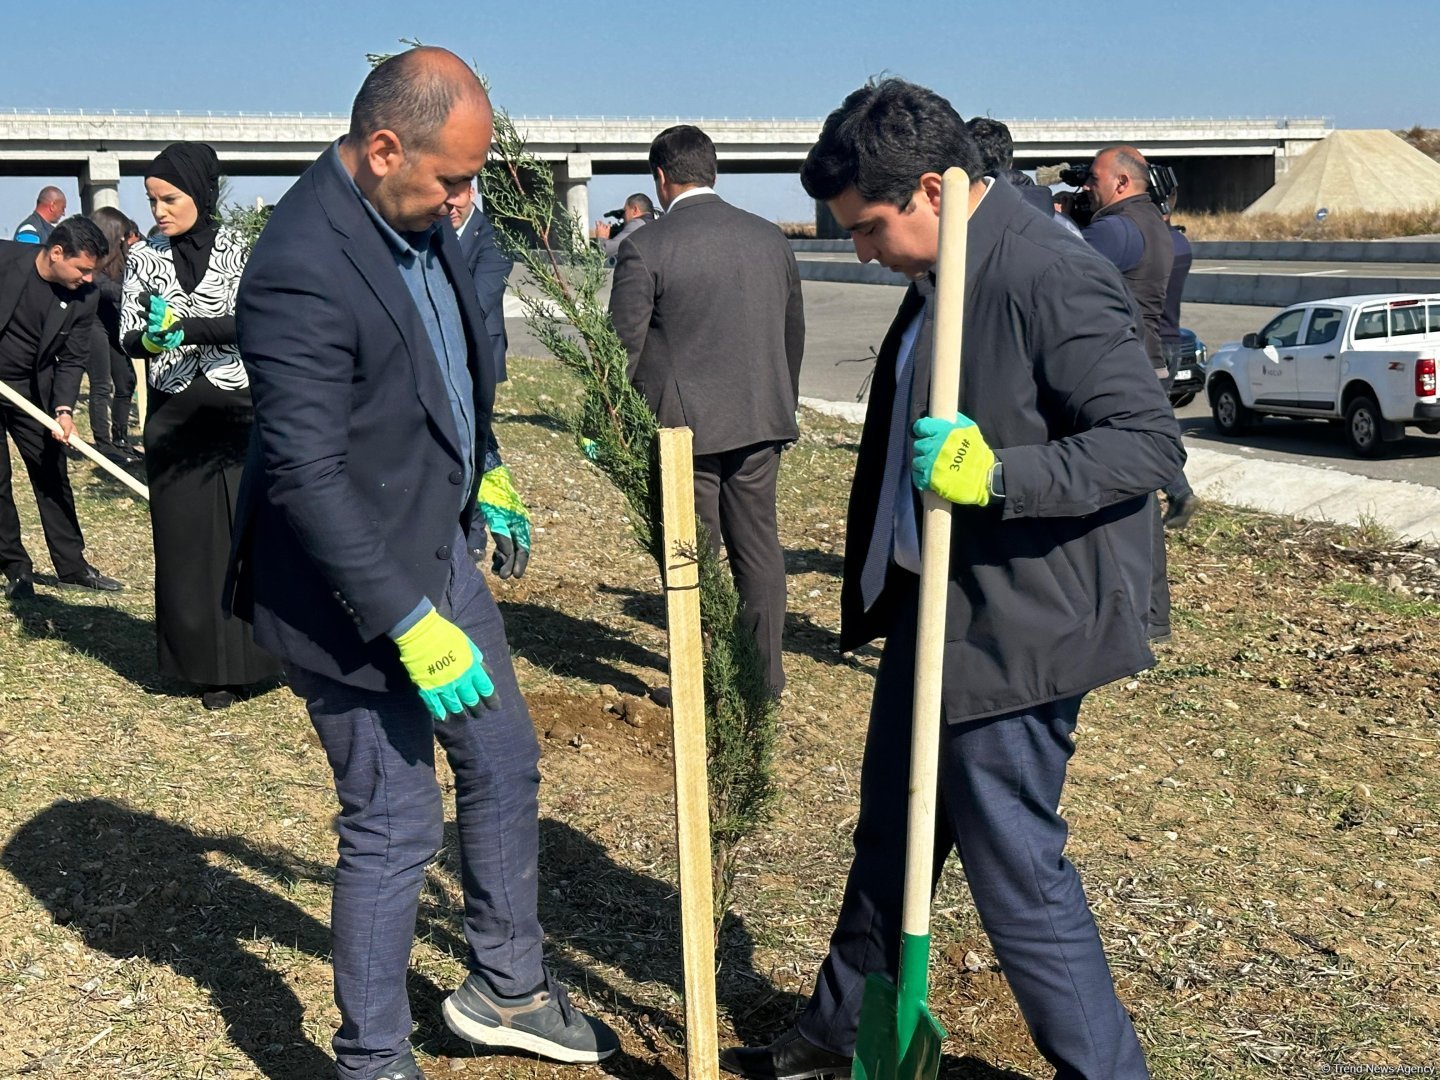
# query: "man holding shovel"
1064, 433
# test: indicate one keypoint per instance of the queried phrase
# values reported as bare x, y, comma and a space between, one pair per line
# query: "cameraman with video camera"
1127, 226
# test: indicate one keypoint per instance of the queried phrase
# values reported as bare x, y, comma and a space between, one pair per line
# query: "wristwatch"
996, 482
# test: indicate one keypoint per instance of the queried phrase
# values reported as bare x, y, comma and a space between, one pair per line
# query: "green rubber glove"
507, 520
155, 344
445, 667
952, 459
163, 329
159, 315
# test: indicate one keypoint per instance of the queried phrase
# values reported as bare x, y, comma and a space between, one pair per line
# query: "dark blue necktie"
897, 472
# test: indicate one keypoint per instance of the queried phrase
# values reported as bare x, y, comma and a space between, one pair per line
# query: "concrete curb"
1371, 251
1355, 251
1308, 492
1282, 290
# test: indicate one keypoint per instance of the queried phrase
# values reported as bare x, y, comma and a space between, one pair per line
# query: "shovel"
898, 1038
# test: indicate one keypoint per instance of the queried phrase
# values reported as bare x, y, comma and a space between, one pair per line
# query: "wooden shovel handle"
27, 406
935, 561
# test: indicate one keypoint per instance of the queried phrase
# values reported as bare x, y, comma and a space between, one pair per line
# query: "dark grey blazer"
1050, 586
707, 301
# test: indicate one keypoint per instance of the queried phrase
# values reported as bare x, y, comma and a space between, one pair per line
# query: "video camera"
1163, 186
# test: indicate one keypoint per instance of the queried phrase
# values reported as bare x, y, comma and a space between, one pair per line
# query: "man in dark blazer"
47, 314
373, 385
1066, 433
707, 302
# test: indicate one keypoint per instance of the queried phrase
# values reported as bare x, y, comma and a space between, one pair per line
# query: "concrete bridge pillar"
572, 184
100, 182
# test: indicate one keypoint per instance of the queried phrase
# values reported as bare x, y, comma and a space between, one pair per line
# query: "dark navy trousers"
1000, 782
381, 748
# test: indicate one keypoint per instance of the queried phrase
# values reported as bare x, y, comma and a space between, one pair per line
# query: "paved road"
845, 325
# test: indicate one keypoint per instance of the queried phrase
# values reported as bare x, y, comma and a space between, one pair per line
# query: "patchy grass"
1257, 818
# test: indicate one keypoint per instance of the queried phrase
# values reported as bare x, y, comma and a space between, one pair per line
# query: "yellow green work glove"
952, 459
445, 667
163, 330
507, 520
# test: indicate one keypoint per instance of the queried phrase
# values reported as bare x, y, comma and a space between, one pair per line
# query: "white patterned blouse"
150, 268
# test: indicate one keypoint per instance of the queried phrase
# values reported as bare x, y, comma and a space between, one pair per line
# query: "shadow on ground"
580, 648
123, 643
131, 884
803, 634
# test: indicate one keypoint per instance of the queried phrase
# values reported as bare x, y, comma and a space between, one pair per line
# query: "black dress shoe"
1179, 513
90, 578
20, 587
790, 1057
402, 1068
217, 698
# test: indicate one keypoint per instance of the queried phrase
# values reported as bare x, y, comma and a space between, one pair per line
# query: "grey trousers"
381, 748
735, 498
1000, 784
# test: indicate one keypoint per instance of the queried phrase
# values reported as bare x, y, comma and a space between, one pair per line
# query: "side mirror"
1253, 341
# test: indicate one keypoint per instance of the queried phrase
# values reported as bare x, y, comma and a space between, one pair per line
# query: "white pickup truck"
1368, 361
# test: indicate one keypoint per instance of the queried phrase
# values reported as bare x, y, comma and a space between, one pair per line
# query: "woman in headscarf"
179, 315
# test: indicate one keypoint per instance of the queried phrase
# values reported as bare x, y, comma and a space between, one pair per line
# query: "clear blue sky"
1361, 65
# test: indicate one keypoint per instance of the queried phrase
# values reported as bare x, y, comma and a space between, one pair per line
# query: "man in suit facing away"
373, 384
47, 315
707, 302
489, 267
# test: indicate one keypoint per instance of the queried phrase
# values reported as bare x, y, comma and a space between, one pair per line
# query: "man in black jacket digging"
1066, 433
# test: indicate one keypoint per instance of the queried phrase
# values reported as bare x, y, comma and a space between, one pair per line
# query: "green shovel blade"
897, 1038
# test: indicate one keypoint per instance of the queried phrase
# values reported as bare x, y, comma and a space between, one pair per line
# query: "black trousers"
735, 498
112, 385
44, 459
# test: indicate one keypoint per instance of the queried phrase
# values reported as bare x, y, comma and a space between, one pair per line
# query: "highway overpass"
1222, 164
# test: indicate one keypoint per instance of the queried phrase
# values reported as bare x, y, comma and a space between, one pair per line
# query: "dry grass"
1257, 819
1339, 225
797, 230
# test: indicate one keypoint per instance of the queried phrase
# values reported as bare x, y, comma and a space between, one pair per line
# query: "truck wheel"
1231, 415
1364, 427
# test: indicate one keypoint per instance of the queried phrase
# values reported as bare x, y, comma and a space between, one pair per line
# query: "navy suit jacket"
490, 268
351, 501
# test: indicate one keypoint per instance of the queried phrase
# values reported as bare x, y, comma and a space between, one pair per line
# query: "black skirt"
195, 445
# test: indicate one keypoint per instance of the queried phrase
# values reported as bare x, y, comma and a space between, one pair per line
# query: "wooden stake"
687, 718
27, 406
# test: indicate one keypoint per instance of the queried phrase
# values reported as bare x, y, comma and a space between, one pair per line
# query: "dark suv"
1189, 378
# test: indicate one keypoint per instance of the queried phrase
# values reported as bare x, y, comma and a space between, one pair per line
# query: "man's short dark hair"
883, 138
992, 139
409, 95
640, 201
79, 234
686, 154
